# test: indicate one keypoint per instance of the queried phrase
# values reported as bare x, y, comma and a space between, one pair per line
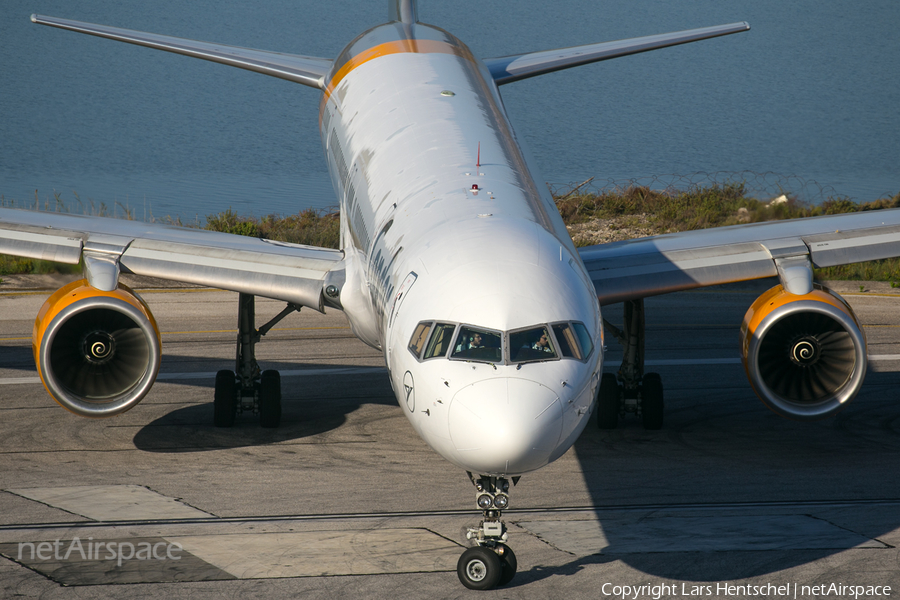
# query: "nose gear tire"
479, 568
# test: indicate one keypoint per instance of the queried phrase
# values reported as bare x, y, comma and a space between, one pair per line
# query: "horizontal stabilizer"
300, 69
507, 69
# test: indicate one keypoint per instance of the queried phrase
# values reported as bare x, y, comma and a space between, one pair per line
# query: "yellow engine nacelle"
97, 352
805, 355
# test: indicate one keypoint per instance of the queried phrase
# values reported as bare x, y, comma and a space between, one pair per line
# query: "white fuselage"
446, 233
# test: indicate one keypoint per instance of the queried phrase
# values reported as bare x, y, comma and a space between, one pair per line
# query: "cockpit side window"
440, 340
417, 341
531, 345
568, 343
587, 345
573, 339
478, 345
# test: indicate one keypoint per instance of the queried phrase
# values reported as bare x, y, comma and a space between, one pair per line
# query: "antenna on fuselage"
403, 11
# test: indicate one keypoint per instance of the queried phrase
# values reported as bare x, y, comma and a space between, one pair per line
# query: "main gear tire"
608, 402
225, 399
270, 399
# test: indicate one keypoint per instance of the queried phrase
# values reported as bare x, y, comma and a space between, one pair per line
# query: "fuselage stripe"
396, 47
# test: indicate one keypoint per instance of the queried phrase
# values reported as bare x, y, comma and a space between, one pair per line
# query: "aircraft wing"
661, 264
289, 272
307, 70
507, 69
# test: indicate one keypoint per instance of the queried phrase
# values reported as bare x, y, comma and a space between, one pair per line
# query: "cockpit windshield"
531, 344
554, 341
478, 344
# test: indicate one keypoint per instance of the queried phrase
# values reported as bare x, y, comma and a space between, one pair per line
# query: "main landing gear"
246, 388
490, 562
639, 393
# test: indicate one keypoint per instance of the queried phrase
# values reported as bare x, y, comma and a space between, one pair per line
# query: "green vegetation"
699, 208
15, 265
632, 211
310, 227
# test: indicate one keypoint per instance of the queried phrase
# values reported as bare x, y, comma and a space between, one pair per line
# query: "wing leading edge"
289, 272
680, 261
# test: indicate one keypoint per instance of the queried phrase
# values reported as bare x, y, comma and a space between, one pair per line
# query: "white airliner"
455, 263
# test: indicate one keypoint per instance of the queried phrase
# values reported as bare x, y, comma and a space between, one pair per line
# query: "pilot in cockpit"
476, 341
542, 343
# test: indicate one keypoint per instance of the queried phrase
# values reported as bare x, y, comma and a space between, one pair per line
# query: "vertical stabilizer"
403, 11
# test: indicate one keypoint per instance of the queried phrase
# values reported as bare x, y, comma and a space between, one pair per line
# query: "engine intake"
805, 356
98, 353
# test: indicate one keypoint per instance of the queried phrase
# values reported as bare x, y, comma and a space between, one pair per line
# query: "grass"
310, 227
656, 211
700, 207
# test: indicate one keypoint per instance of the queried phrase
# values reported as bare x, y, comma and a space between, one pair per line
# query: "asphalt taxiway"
344, 499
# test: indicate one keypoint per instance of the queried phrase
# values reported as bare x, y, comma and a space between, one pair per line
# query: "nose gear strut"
490, 562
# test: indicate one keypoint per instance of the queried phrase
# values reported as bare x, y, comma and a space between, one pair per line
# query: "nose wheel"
490, 562
479, 568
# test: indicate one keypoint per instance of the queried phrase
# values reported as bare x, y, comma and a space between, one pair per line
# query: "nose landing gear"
490, 562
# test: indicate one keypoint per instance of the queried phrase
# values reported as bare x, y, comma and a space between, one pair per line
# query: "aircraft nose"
505, 425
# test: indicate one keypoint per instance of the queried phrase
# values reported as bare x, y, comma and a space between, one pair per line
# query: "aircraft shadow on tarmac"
19, 358
311, 405
721, 446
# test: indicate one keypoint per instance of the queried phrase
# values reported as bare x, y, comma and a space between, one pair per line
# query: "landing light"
484, 501
501, 501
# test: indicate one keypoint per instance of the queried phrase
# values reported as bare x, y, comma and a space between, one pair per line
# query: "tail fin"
403, 11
